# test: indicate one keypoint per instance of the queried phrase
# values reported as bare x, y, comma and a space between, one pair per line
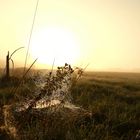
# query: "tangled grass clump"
58, 84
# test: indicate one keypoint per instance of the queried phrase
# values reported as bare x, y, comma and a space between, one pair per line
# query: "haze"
107, 31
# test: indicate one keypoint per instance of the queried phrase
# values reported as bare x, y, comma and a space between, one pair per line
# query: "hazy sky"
106, 32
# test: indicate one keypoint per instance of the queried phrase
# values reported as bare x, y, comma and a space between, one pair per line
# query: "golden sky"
103, 33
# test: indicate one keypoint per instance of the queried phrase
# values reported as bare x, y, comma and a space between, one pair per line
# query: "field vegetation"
104, 106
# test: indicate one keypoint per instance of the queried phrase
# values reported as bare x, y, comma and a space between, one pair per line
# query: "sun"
55, 43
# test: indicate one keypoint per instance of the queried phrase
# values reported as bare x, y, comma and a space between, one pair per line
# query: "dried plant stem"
31, 31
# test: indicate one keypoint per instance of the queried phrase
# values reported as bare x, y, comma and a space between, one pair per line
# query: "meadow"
108, 102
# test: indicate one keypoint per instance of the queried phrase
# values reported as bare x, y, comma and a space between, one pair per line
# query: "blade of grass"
14, 90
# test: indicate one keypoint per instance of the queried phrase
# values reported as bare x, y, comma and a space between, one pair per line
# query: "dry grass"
110, 110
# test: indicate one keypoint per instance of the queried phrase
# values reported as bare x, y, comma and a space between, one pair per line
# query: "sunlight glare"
55, 43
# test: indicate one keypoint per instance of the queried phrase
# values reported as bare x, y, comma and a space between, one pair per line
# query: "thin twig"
31, 31
81, 73
52, 67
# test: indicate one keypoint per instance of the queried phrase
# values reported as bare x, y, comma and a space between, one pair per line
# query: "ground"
112, 98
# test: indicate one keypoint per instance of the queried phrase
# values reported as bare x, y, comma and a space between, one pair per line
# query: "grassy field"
117, 97
112, 98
